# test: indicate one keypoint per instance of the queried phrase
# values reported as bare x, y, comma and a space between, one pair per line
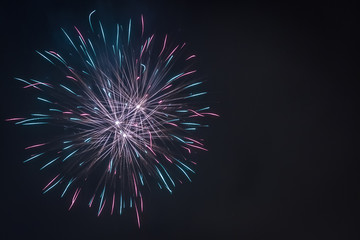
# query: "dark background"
282, 161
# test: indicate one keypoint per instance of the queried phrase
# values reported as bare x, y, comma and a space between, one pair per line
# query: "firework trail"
127, 110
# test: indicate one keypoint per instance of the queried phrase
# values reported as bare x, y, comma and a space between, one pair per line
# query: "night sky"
281, 161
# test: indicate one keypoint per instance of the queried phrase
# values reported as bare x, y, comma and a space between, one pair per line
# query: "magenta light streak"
102, 207
194, 141
80, 35
192, 56
163, 45
76, 194
55, 54
196, 113
137, 216
136, 191
168, 158
51, 182
212, 114
34, 84
187, 149
150, 149
141, 204
91, 201
171, 53
173, 124
14, 119
150, 40
109, 166
142, 25
36, 145
112, 205
197, 147
70, 77
143, 49
167, 87
182, 75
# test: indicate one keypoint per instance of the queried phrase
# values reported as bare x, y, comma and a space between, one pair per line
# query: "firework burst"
127, 112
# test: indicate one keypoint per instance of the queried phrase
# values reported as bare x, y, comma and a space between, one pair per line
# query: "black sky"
282, 162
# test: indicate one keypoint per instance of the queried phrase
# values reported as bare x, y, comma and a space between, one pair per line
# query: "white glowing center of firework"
138, 106
117, 123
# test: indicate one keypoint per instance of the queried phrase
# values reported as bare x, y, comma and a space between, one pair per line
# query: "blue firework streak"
127, 110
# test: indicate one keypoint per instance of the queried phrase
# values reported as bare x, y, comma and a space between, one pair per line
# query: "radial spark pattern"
128, 109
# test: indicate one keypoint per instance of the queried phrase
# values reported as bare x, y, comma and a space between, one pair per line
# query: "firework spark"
126, 106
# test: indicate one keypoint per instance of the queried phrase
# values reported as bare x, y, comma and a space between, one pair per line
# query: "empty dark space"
281, 162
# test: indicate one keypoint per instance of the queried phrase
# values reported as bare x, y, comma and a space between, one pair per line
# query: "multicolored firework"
128, 109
